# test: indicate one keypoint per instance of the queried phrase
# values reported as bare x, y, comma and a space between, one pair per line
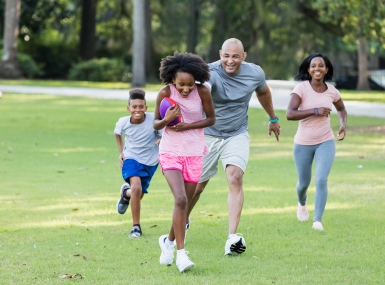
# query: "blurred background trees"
9, 67
95, 39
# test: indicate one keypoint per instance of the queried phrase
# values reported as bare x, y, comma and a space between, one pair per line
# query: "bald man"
233, 81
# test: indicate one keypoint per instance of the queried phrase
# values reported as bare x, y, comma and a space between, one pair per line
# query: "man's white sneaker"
183, 262
167, 255
302, 213
235, 244
318, 226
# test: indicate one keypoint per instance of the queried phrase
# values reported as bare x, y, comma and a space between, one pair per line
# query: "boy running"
138, 159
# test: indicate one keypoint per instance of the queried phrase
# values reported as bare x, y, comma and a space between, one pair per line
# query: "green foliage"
277, 34
114, 28
52, 51
102, 69
60, 218
28, 66
356, 18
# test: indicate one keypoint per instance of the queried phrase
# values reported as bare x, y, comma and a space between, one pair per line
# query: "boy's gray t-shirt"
231, 96
139, 139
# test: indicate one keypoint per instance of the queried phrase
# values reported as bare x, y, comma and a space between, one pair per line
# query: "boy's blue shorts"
133, 168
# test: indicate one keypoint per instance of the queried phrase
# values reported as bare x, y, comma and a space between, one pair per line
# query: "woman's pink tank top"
190, 142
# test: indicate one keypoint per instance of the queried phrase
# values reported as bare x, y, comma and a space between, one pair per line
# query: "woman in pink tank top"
182, 145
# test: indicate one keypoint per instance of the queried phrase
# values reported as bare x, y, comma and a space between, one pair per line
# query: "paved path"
280, 91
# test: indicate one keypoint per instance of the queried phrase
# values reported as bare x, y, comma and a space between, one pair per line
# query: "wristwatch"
316, 111
273, 120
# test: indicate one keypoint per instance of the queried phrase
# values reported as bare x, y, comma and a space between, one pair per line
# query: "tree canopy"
277, 34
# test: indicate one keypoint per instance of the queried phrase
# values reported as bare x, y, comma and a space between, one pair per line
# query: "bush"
52, 52
28, 66
102, 69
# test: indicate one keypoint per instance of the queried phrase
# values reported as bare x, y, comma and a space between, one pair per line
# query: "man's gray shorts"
233, 150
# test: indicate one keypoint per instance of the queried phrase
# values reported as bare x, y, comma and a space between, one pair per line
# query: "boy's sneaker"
235, 244
167, 255
302, 213
135, 233
183, 262
122, 204
318, 226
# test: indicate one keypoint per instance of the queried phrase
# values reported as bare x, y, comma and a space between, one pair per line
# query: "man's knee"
234, 176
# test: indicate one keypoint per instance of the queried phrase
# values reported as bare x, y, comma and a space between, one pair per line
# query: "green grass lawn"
368, 96
59, 183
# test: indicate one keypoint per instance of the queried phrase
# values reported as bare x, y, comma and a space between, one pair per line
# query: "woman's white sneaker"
318, 226
302, 213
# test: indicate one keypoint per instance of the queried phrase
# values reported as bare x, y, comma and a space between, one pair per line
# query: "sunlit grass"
367, 96
59, 183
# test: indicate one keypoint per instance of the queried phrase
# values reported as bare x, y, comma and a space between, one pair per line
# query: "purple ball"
164, 105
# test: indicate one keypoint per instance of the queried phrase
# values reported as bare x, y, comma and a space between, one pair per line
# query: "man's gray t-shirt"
231, 96
139, 139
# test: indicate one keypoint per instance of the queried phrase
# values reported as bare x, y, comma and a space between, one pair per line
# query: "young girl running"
182, 146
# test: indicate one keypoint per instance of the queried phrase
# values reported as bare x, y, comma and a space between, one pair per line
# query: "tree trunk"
363, 82
218, 34
87, 30
9, 67
139, 46
150, 70
193, 35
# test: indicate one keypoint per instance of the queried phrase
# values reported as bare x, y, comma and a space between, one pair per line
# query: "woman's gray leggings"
303, 157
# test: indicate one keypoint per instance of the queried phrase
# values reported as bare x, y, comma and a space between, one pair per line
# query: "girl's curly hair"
183, 62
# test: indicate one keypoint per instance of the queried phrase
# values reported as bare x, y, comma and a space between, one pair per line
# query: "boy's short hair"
137, 94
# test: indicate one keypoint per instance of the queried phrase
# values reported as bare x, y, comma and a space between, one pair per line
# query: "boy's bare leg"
136, 196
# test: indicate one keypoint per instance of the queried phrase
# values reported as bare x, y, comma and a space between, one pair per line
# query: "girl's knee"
181, 202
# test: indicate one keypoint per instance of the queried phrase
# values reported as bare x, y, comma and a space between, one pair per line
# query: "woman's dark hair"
137, 94
183, 62
303, 74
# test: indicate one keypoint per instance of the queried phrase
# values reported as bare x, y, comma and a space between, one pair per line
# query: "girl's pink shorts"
190, 166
